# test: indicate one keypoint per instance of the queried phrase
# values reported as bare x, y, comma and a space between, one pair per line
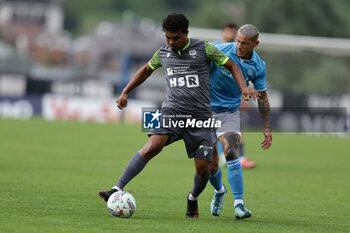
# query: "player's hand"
268, 139
248, 93
122, 101
244, 105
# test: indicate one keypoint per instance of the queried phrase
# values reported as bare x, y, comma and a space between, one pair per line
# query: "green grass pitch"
51, 172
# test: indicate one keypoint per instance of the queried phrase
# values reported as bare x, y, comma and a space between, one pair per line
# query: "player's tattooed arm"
264, 110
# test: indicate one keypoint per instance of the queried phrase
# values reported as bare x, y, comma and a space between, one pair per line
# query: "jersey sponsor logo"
189, 81
169, 71
193, 53
168, 55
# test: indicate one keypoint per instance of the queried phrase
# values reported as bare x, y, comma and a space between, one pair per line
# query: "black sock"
199, 185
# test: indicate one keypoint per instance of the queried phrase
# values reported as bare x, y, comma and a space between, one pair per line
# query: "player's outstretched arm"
264, 110
236, 72
140, 76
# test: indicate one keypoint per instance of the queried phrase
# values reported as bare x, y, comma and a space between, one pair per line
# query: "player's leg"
200, 181
230, 142
222, 160
245, 162
215, 171
199, 145
241, 152
201, 177
153, 146
217, 203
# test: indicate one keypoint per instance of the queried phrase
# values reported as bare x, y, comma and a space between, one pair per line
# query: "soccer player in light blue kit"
229, 34
225, 99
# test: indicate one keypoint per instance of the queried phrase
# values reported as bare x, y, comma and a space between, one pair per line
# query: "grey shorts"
230, 122
198, 141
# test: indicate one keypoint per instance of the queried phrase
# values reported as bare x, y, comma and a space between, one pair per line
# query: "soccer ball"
121, 204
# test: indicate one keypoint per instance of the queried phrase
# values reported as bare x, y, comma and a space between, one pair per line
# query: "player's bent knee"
153, 147
230, 141
214, 167
232, 154
202, 168
203, 173
150, 150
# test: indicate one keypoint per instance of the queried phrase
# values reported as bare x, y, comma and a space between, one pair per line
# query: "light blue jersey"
225, 94
216, 42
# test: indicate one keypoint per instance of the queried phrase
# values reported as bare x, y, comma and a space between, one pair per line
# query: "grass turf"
51, 172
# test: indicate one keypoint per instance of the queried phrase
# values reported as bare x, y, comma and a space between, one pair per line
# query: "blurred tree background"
291, 72
327, 18
299, 72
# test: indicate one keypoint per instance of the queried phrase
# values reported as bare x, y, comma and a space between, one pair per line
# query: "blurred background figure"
229, 33
245, 162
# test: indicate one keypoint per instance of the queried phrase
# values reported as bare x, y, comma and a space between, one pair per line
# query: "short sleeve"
260, 81
215, 55
154, 63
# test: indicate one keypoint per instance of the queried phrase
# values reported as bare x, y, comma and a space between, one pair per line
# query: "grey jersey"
187, 74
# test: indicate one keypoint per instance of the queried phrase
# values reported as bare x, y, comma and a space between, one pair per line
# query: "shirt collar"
188, 43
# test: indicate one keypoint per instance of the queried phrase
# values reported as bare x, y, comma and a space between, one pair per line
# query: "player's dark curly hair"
175, 22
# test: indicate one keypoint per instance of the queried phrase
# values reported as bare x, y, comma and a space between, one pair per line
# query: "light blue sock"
215, 179
235, 178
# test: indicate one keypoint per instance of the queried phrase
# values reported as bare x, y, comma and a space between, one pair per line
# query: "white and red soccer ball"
121, 204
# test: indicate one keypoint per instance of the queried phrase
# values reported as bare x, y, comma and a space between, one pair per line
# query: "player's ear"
256, 43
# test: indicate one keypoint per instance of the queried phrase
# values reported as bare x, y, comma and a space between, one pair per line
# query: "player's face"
176, 40
245, 46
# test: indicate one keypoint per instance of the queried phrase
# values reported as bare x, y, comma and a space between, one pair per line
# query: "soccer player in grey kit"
186, 62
